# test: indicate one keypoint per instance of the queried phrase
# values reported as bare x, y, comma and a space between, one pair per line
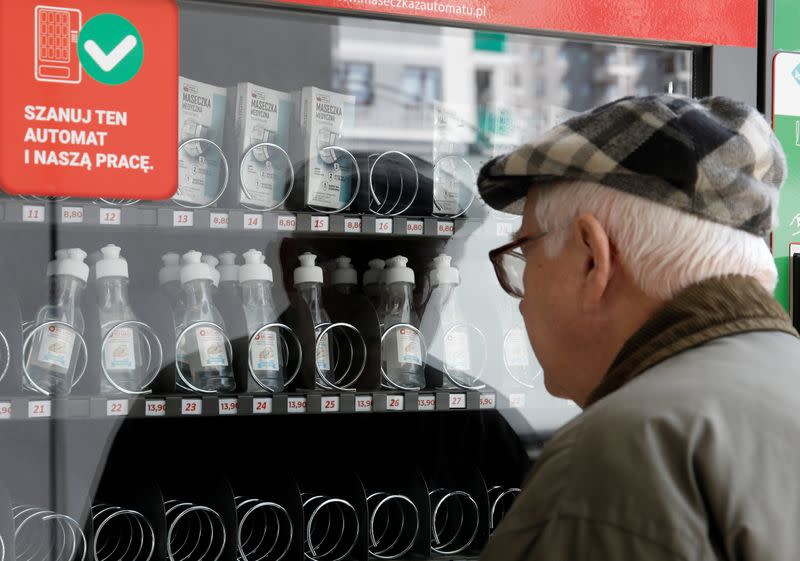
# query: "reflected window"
355, 78
422, 84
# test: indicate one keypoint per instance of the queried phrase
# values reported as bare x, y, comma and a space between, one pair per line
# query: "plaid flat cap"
715, 158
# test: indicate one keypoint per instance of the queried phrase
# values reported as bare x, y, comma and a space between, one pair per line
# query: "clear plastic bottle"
229, 275
265, 353
373, 282
212, 263
344, 277
402, 348
202, 351
169, 279
53, 358
308, 280
122, 355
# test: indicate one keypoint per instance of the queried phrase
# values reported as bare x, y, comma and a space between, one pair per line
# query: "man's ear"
596, 254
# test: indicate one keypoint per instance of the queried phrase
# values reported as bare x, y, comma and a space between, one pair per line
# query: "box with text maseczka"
201, 128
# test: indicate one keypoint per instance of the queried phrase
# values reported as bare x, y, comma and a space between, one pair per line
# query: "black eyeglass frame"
496, 257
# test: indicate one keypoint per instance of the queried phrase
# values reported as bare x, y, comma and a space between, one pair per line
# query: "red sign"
88, 92
704, 22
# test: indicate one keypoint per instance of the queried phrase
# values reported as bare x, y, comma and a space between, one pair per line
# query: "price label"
352, 225
363, 404
426, 403
445, 228
415, 227
330, 403
39, 409
395, 402
110, 216
488, 401
384, 225
287, 223
155, 408
116, 407
505, 229
72, 215
319, 223
516, 400
253, 221
183, 219
5, 410
262, 405
32, 213
458, 401
297, 404
191, 407
228, 406
219, 220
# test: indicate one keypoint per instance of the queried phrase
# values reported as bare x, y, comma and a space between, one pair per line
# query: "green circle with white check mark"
110, 49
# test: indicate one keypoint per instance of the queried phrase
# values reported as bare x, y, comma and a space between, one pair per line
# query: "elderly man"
645, 285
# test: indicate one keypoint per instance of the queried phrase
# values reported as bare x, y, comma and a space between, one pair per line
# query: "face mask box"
201, 115
322, 119
261, 173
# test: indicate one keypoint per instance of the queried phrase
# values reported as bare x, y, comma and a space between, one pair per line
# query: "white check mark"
109, 62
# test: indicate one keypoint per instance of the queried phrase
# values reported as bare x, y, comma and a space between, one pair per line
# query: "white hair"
664, 249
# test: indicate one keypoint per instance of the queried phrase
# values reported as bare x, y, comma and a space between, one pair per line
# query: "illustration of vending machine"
56, 44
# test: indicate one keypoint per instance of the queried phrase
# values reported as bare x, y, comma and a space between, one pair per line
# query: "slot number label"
219, 220
5, 410
32, 213
183, 219
352, 225
384, 225
116, 407
320, 223
458, 401
72, 215
415, 227
155, 408
395, 403
504, 229
191, 407
39, 409
287, 223
228, 406
426, 403
297, 404
488, 401
363, 404
110, 216
445, 228
253, 222
516, 400
330, 404
262, 405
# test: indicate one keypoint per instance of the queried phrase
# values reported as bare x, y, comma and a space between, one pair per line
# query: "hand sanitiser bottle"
344, 277
169, 279
373, 282
121, 355
308, 282
401, 349
203, 345
52, 361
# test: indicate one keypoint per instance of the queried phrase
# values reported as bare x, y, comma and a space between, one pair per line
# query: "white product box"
201, 114
323, 119
261, 115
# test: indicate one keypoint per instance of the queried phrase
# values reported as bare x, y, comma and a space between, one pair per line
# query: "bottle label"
323, 354
516, 349
118, 352
264, 352
409, 349
211, 343
56, 346
456, 351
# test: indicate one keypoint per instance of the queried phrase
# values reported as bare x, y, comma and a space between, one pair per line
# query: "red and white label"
155, 408
320, 223
516, 400
253, 221
363, 404
5, 410
395, 403
426, 402
458, 401
183, 218
287, 223
384, 225
32, 213
228, 406
219, 220
40, 409
116, 408
488, 401
191, 406
110, 216
330, 404
72, 215
262, 405
352, 225
444, 228
297, 404
415, 227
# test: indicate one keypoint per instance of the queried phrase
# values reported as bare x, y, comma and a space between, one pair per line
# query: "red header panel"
708, 22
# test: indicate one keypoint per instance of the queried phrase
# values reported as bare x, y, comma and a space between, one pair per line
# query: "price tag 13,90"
352, 225
262, 405
155, 408
330, 404
253, 222
32, 213
72, 215
426, 403
40, 409
5, 410
363, 404
488, 401
395, 402
287, 223
320, 223
219, 221
116, 407
228, 406
191, 406
297, 404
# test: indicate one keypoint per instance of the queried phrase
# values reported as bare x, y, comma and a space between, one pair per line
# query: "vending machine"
302, 352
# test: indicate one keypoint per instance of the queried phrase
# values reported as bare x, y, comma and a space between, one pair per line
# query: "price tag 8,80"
287, 223
395, 402
155, 408
352, 225
5, 410
297, 404
330, 404
415, 227
445, 228
363, 403
218, 220
72, 215
116, 407
40, 409
191, 407
228, 406
426, 403
262, 405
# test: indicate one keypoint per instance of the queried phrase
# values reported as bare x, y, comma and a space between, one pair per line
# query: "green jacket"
691, 455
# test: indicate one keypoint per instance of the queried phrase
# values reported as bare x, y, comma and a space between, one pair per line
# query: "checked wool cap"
715, 158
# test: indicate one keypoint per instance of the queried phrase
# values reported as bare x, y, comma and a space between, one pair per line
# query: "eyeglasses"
509, 264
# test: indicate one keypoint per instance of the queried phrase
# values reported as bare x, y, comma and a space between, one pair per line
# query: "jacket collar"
708, 310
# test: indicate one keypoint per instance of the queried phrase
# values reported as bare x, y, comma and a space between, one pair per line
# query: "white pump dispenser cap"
254, 268
73, 265
51, 265
308, 271
397, 271
228, 269
344, 273
194, 268
374, 275
444, 272
171, 271
111, 265
212, 263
